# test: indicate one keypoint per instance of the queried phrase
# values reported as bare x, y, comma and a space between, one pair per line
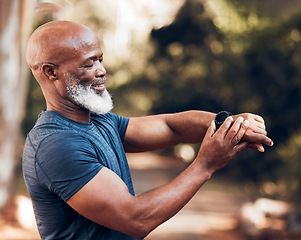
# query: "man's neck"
76, 114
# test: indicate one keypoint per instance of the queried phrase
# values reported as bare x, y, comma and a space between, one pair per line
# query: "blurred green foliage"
242, 56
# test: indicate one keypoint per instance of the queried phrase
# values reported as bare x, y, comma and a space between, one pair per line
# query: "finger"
238, 148
258, 118
255, 120
251, 131
225, 126
241, 132
256, 146
235, 128
260, 125
259, 130
261, 138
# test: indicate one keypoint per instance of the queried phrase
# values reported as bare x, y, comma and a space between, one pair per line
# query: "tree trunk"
15, 26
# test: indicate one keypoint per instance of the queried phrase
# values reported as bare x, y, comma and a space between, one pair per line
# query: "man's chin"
96, 102
101, 111
99, 104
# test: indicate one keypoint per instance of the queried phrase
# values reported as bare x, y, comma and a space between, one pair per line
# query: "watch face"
221, 117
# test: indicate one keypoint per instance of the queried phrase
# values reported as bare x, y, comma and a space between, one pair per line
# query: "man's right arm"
106, 200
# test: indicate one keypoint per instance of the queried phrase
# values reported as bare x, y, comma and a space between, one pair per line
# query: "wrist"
204, 168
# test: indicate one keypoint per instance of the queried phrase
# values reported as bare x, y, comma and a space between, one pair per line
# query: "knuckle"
236, 139
232, 131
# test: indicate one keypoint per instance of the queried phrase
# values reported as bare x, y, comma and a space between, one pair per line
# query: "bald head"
56, 42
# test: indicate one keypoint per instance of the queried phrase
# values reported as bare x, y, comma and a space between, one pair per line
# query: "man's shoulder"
50, 121
52, 126
111, 121
111, 118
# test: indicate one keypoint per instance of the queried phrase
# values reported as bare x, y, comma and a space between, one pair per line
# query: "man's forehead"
78, 40
89, 48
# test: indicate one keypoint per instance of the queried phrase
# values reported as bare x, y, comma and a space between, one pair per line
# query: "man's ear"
50, 71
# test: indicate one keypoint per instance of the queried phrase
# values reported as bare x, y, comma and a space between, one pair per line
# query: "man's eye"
88, 66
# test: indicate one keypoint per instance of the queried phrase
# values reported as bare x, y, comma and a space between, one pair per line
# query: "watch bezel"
220, 117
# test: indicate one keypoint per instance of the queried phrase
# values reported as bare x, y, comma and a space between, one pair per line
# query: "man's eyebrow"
95, 57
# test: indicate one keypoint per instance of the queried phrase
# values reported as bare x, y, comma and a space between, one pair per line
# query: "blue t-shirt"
60, 157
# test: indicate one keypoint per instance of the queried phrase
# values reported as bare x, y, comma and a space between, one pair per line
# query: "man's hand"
219, 147
256, 134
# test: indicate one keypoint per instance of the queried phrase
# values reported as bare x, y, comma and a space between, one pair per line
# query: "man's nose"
100, 71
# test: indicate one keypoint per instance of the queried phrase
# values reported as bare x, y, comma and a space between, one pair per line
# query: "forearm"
106, 200
165, 130
160, 204
190, 126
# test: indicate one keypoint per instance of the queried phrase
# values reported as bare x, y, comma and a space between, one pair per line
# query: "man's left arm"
165, 130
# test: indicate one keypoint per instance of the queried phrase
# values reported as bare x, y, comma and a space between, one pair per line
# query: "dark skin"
105, 199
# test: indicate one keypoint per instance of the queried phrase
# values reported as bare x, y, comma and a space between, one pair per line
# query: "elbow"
140, 231
139, 235
139, 221
140, 227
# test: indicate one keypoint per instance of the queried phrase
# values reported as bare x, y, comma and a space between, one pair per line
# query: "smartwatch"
221, 117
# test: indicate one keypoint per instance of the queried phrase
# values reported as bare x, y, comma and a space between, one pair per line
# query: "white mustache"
102, 81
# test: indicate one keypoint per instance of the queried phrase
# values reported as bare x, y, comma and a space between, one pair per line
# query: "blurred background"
170, 56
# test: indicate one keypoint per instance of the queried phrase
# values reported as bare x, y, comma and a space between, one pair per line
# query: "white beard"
86, 97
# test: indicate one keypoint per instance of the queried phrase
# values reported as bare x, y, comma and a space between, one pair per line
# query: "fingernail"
241, 120
213, 124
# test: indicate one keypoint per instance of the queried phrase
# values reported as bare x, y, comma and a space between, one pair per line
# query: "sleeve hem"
66, 196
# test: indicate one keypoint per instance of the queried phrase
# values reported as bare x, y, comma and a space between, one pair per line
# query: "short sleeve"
122, 123
119, 122
65, 162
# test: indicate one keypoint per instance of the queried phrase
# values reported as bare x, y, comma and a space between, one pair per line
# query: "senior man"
74, 161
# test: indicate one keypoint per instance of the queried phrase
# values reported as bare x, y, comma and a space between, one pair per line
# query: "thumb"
256, 146
210, 130
238, 148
